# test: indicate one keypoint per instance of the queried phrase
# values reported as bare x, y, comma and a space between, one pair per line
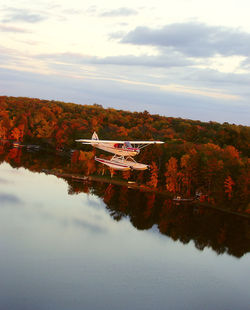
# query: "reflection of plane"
123, 151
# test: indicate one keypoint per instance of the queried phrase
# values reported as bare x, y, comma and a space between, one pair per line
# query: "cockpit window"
128, 144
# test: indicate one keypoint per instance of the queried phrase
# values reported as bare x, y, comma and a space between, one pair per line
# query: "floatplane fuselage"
123, 151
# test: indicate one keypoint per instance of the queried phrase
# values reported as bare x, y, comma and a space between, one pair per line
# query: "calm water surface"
62, 250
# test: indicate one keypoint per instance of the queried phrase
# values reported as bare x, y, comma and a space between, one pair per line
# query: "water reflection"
113, 247
224, 233
10, 199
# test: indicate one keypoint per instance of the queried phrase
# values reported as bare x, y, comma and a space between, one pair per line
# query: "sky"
182, 58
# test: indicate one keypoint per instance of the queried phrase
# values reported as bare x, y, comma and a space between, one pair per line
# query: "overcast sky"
182, 58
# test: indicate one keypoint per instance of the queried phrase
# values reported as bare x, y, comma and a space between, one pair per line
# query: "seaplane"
123, 151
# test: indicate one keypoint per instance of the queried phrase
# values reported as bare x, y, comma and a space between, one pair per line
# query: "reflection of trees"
222, 232
76, 187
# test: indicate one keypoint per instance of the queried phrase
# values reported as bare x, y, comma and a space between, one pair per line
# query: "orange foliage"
228, 184
109, 192
171, 175
154, 176
126, 174
232, 151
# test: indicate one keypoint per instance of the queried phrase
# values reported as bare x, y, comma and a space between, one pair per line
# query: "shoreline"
93, 178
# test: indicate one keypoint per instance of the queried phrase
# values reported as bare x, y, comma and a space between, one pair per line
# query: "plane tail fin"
95, 136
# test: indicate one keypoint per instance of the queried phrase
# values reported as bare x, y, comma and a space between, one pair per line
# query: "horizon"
186, 59
128, 111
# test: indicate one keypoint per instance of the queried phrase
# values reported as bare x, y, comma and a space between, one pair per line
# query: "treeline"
198, 156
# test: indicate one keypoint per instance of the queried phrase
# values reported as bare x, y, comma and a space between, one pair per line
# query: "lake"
72, 245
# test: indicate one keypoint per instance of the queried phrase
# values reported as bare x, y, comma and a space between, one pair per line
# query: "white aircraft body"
123, 151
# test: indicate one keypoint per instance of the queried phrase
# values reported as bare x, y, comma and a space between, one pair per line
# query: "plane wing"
123, 151
92, 141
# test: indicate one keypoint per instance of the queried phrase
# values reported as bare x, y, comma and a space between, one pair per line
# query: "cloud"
92, 228
92, 9
245, 64
173, 59
7, 55
117, 35
214, 77
5, 28
193, 39
158, 71
119, 12
73, 11
12, 57
3, 181
119, 95
10, 199
23, 15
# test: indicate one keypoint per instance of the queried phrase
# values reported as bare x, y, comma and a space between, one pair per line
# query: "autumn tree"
171, 175
228, 185
126, 174
189, 170
154, 176
87, 161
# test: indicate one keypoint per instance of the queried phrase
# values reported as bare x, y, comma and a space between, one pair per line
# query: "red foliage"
228, 184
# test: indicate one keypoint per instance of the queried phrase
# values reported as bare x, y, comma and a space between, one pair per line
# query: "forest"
208, 157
